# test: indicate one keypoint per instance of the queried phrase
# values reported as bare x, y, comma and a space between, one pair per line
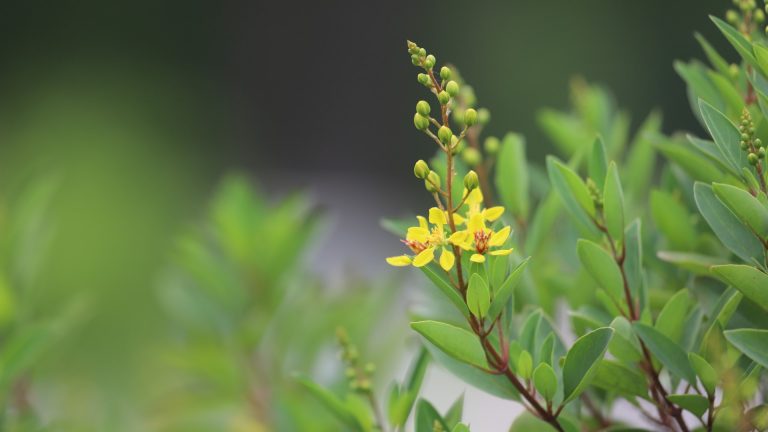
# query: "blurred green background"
118, 121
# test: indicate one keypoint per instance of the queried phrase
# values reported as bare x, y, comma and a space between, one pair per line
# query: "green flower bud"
424, 79
421, 169
732, 16
483, 116
758, 142
753, 159
457, 114
429, 62
761, 153
759, 16
743, 145
744, 137
444, 134
734, 69
470, 180
421, 122
432, 182
364, 385
350, 372
412, 47
471, 156
452, 88
415, 60
443, 97
457, 146
470, 117
445, 72
468, 95
422, 52
491, 145
422, 107
370, 368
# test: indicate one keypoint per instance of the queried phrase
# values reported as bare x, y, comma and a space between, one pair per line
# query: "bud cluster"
359, 376
753, 146
746, 16
594, 192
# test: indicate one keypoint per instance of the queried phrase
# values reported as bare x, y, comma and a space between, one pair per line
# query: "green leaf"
705, 371
633, 263
512, 176
545, 380
461, 427
478, 296
426, 416
673, 220
447, 289
742, 45
750, 281
598, 162
613, 204
453, 416
694, 403
401, 400
639, 166
747, 208
672, 316
752, 342
695, 165
524, 365
602, 267
572, 191
669, 353
694, 263
715, 59
737, 238
624, 344
725, 134
457, 342
581, 361
502, 295
761, 56
332, 403
613, 376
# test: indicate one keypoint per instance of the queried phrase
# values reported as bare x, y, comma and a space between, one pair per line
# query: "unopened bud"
753, 159
483, 116
470, 117
759, 16
412, 47
370, 368
415, 60
421, 122
421, 169
429, 62
350, 372
758, 142
432, 182
761, 153
444, 134
471, 156
470, 180
445, 72
443, 97
424, 79
491, 145
732, 16
422, 107
452, 88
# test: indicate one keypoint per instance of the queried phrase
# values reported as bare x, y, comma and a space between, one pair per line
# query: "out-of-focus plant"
246, 317
665, 322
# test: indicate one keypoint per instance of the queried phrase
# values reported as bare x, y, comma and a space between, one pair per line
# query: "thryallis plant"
663, 268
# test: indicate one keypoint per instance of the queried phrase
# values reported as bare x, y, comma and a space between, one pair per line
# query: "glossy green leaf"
478, 296
624, 344
461, 427
512, 176
613, 204
427, 416
747, 208
705, 372
725, 134
524, 365
445, 287
692, 262
453, 416
572, 191
742, 45
503, 294
581, 361
457, 342
694, 403
717, 61
545, 381
603, 269
614, 376
672, 316
750, 281
666, 351
726, 226
752, 342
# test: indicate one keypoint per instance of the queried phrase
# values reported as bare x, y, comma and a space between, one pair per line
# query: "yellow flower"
477, 237
423, 240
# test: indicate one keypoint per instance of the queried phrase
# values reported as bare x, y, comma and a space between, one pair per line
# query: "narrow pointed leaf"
750, 281
581, 361
666, 351
457, 342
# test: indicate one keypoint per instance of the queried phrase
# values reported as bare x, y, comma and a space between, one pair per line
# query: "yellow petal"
447, 259
475, 197
399, 261
458, 219
458, 237
417, 234
493, 213
501, 252
499, 237
422, 222
424, 257
477, 258
436, 216
476, 223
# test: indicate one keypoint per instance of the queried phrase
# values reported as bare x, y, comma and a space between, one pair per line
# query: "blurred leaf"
752, 342
669, 354
613, 205
598, 162
446, 288
673, 220
742, 45
427, 416
694, 263
603, 269
750, 281
512, 176
672, 316
694, 403
502, 296
454, 341
613, 376
335, 405
725, 134
545, 380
